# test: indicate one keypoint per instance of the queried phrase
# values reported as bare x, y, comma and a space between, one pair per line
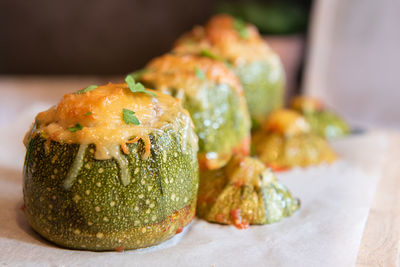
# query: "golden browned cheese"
286, 122
246, 170
100, 113
171, 71
220, 37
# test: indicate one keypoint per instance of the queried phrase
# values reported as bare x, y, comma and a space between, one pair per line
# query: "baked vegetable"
243, 192
240, 46
286, 141
111, 167
214, 98
323, 122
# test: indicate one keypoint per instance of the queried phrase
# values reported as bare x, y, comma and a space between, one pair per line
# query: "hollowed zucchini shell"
98, 212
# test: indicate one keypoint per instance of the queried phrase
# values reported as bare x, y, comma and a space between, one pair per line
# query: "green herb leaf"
137, 75
87, 89
77, 127
130, 81
137, 87
199, 73
129, 117
88, 113
209, 54
140, 87
240, 27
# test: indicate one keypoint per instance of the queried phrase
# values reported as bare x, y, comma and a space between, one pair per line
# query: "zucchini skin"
98, 212
229, 129
323, 122
263, 84
220, 198
222, 122
327, 124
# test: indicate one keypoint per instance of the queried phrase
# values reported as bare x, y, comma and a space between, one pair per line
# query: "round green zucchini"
214, 98
241, 47
100, 208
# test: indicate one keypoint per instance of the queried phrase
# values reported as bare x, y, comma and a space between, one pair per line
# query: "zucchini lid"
243, 192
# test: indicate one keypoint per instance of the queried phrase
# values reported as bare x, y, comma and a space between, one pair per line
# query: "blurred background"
114, 37
345, 53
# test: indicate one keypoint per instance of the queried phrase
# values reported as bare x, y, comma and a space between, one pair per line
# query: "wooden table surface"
380, 242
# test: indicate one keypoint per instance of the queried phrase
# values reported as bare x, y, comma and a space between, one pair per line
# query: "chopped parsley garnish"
139, 73
87, 89
88, 113
77, 127
130, 81
137, 87
240, 27
140, 88
129, 117
199, 73
209, 54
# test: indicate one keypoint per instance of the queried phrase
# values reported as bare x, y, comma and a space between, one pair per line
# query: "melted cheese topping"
179, 72
247, 170
306, 104
286, 122
100, 113
220, 37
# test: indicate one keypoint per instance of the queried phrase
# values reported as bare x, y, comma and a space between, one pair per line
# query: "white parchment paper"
326, 231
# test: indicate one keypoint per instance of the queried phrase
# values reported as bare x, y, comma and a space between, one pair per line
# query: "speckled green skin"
98, 212
258, 205
221, 120
326, 124
263, 85
223, 123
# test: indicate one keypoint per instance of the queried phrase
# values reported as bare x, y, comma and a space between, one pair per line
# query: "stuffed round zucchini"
111, 167
323, 122
286, 141
243, 192
240, 46
214, 98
